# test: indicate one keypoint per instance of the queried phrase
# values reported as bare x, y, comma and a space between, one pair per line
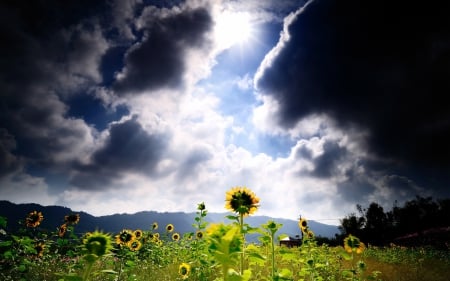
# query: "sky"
316, 106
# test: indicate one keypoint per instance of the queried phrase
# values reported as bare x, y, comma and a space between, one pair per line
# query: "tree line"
420, 221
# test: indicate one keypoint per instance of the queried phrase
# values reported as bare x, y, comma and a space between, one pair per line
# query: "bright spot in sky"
233, 28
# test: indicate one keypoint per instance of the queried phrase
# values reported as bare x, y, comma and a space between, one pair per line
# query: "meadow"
214, 251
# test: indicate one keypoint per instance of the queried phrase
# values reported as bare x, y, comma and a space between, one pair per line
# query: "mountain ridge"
54, 217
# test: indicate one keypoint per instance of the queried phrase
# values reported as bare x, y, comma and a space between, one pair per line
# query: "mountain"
54, 217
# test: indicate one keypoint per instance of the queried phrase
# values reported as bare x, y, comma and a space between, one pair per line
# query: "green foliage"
212, 252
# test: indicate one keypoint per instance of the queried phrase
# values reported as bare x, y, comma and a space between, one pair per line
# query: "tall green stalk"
241, 224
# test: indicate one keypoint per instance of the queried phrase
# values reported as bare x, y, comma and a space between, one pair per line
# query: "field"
212, 252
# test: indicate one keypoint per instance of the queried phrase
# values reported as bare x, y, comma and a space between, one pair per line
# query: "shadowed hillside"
54, 217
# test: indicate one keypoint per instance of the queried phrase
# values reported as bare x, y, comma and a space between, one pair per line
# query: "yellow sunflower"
175, 236
62, 230
125, 236
184, 270
72, 219
39, 247
134, 245
138, 234
169, 227
34, 219
97, 243
199, 234
241, 200
353, 244
155, 226
303, 224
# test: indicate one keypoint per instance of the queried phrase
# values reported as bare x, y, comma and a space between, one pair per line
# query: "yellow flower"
125, 236
39, 247
155, 226
62, 230
175, 236
184, 270
156, 236
34, 219
303, 224
241, 200
199, 234
353, 244
72, 219
97, 243
134, 245
138, 234
169, 227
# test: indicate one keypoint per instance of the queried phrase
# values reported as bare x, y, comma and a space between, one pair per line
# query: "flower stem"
241, 222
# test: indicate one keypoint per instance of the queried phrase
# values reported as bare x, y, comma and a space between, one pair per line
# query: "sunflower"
184, 270
34, 219
97, 243
199, 234
169, 227
303, 224
353, 244
39, 247
155, 226
62, 230
138, 234
189, 236
134, 245
241, 200
175, 236
72, 219
125, 236
156, 236
310, 234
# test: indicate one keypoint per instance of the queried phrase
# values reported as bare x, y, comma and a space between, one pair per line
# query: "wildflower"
134, 245
201, 206
155, 226
138, 234
303, 224
189, 236
199, 234
241, 200
353, 244
169, 227
156, 236
34, 219
124, 237
310, 234
39, 247
175, 236
72, 219
62, 230
184, 270
97, 243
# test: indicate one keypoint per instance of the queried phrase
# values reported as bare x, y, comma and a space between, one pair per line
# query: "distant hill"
54, 217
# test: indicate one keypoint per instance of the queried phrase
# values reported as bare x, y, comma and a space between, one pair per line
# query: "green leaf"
3, 222
235, 218
109, 271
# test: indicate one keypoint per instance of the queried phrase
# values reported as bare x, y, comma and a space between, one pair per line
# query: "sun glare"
233, 28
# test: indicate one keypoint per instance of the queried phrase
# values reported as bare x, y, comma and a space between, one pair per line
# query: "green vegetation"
215, 251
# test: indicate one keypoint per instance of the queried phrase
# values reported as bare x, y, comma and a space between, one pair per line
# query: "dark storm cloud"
325, 164
381, 66
49, 51
9, 163
159, 60
129, 148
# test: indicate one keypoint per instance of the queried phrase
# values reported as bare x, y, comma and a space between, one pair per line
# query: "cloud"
128, 148
381, 68
159, 59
